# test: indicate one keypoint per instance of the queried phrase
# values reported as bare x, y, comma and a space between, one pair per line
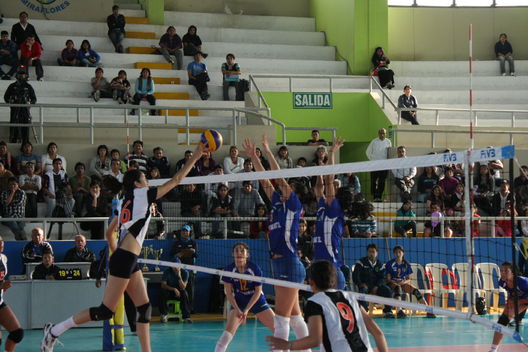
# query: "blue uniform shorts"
259, 306
288, 269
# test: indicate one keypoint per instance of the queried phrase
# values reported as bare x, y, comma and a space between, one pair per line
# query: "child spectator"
87, 56
8, 56
121, 88
31, 184
198, 76
504, 51
100, 85
145, 89
116, 28
69, 55
171, 44
30, 53
403, 226
230, 74
191, 42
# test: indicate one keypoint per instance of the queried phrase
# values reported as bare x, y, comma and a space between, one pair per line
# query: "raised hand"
265, 144
337, 144
250, 148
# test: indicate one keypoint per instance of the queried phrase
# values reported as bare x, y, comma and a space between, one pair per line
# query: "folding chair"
461, 269
437, 271
420, 280
487, 271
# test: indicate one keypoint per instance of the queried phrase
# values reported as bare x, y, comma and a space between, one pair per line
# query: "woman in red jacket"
30, 52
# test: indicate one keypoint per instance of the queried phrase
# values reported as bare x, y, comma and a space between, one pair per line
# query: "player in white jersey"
335, 320
7, 318
124, 274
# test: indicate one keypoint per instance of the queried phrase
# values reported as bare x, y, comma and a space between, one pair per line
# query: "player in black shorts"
335, 320
7, 318
124, 274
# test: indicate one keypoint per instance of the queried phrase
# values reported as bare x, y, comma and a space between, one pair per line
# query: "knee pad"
504, 320
417, 294
16, 335
144, 313
282, 326
398, 291
100, 313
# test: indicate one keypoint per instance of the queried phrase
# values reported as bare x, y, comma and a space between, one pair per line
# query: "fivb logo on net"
46, 6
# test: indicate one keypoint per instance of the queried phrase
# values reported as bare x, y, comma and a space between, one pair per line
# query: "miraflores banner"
66, 10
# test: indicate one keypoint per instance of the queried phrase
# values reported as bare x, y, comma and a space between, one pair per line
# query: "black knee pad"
144, 313
417, 294
398, 291
504, 320
16, 335
100, 313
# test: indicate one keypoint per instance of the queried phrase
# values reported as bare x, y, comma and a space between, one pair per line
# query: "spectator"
246, 200
231, 75
180, 163
184, 249
27, 156
49, 158
69, 55
96, 206
398, 271
320, 157
7, 157
265, 163
206, 164
404, 178
524, 228
87, 56
121, 88
305, 240
198, 76
192, 203
248, 167
58, 192
31, 184
20, 92
211, 188
377, 150
100, 164
259, 228
5, 175
115, 170
316, 141
284, 160
8, 56
233, 163
47, 270
495, 167
381, 67
427, 180
160, 161
115, 154
14, 206
407, 101
100, 85
503, 52
34, 249
363, 223
438, 197
433, 227
116, 29
501, 199
171, 44
503, 228
173, 286
145, 89
79, 253
80, 185
23, 29
449, 182
138, 156
351, 182
221, 207
484, 187
191, 42
520, 185
369, 277
402, 227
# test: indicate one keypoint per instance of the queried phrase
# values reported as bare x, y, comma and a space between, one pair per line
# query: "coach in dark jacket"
369, 277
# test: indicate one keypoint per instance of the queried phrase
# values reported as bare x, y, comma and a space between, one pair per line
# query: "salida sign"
304, 100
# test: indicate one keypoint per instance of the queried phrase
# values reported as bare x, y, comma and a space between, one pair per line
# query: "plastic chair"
174, 310
461, 269
420, 280
487, 271
437, 271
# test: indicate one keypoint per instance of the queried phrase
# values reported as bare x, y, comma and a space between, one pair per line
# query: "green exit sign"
312, 100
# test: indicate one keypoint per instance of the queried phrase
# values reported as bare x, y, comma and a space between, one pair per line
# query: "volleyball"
212, 140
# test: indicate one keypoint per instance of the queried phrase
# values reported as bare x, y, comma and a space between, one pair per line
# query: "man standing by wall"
378, 150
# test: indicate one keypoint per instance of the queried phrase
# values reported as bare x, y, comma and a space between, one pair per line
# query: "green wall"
356, 116
155, 10
354, 27
411, 30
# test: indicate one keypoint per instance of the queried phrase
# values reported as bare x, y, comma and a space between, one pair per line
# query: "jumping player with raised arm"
507, 283
284, 231
335, 320
124, 273
330, 224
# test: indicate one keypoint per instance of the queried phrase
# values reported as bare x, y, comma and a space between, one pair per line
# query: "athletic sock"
61, 327
299, 327
282, 328
494, 348
223, 341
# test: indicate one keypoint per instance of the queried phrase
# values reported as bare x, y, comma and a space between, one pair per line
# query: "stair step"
141, 35
141, 50
153, 65
172, 95
136, 20
179, 112
126, 6
166, 80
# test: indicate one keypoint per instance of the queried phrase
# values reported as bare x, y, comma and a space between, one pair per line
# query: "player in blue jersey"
507, 283
284, 231
330, 224
398, 271
244, 296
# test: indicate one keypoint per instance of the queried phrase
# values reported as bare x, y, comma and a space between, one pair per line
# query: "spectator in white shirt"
31, 184
404, 178
233, 163
52, 154
115, 170
377, 150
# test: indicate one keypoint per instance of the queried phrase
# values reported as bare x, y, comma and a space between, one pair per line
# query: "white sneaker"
512, 73
96, 95
164, 318
48, 340
504, 74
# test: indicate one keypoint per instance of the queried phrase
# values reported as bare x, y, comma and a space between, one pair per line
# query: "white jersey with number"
3, 274
134, 215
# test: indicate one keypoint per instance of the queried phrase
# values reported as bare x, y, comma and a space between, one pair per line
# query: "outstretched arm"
281, 182
329, 179
375, 331
250, 150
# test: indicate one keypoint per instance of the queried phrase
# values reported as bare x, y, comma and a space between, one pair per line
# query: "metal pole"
513, 120
234, 141
91, 125
140, 122
437, 117
514, 252
330, 81
187, 132
78, 115
290, 83
472, 141
468, 214
225, 229
41, 117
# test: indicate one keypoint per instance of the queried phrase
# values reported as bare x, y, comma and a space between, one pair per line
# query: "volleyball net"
452, 213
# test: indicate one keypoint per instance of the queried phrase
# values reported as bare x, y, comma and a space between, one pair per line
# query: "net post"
468, 214
514, 251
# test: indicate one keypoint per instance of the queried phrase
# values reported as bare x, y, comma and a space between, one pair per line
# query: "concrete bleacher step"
140, 35
172, 95
126, 6
167, 80
132, 13
136, 20
452, 68
461, 82
458, 96
153, 65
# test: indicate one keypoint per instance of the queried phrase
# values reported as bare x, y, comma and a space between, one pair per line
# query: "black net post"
513, 247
